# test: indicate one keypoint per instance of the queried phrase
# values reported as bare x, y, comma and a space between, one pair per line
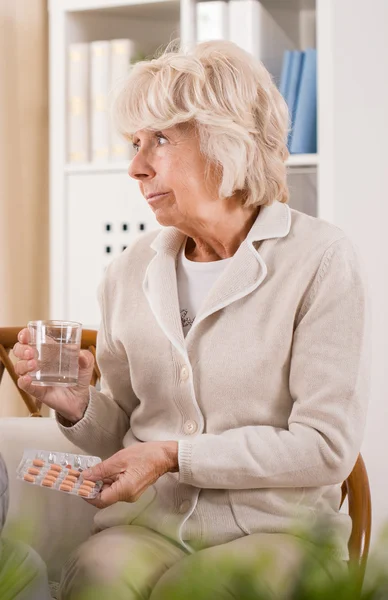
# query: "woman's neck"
222, 239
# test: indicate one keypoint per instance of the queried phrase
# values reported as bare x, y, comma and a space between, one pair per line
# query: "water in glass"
57, 364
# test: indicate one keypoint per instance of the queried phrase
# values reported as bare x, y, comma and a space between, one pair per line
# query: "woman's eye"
161, 138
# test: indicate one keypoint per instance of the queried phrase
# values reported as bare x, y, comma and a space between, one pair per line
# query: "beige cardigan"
267, 394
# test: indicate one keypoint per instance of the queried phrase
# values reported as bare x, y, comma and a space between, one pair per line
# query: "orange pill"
88, 483
56, 468
65, 488
73, 472
83, 491
37, 462
69, 483
50, 478
47, 483
29, 478
33, 471
71, 478
53, 473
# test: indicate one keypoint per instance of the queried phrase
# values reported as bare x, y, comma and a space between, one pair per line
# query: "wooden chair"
356, 488
8, 338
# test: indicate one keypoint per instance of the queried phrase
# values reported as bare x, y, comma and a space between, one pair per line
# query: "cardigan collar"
243, 275
273, 221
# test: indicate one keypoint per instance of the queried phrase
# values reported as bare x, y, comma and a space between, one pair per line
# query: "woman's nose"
140, 168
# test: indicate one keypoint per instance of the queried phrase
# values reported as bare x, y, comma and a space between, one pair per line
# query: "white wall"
360, 203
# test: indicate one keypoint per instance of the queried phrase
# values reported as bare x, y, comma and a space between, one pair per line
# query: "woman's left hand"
129, 472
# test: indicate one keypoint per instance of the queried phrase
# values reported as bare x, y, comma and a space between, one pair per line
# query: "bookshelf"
85, 197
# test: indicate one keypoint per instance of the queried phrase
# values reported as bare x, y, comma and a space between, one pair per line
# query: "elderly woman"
233, 342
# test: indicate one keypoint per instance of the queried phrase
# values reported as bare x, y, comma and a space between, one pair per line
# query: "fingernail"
86, 473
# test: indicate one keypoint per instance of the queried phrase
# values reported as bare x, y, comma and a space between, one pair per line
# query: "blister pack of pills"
59, 471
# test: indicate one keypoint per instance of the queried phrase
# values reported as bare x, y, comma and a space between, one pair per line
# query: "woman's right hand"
70, 402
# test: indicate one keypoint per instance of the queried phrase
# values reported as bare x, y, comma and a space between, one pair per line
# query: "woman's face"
169, 163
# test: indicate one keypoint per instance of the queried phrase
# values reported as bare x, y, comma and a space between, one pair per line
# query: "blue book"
285, 74
293, 86
304, 136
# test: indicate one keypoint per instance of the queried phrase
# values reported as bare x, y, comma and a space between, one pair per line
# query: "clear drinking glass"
58, 346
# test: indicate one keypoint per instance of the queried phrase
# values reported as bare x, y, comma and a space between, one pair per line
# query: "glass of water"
57, 345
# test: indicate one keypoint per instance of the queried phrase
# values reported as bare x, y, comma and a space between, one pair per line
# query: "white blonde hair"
240, 116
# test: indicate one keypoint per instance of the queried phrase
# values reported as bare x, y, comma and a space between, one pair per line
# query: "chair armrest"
56, 523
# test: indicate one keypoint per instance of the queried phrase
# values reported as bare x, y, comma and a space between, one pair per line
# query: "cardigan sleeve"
107, 418
329, 385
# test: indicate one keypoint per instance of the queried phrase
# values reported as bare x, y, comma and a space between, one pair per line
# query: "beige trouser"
133, 563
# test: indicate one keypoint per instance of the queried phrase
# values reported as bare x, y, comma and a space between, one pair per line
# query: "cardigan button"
190, 427
184, 507
184, 373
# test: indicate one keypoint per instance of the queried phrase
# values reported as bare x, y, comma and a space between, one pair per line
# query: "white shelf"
303, 160
290, 4
156, 11
105, 5
81, 5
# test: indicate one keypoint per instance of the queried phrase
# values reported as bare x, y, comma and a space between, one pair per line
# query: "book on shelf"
212, 20
78, 103
99, 92
122, 53
253, 28
294, 79
304, 133
285, 73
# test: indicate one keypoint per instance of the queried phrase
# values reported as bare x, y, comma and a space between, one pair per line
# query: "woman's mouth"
155, 197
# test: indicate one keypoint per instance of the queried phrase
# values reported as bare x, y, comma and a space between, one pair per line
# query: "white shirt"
195, 279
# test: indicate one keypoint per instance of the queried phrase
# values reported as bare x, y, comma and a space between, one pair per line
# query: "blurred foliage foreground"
244, 581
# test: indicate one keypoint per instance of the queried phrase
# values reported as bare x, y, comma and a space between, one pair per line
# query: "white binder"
122, 51
212, 20
78, 103
99, 90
